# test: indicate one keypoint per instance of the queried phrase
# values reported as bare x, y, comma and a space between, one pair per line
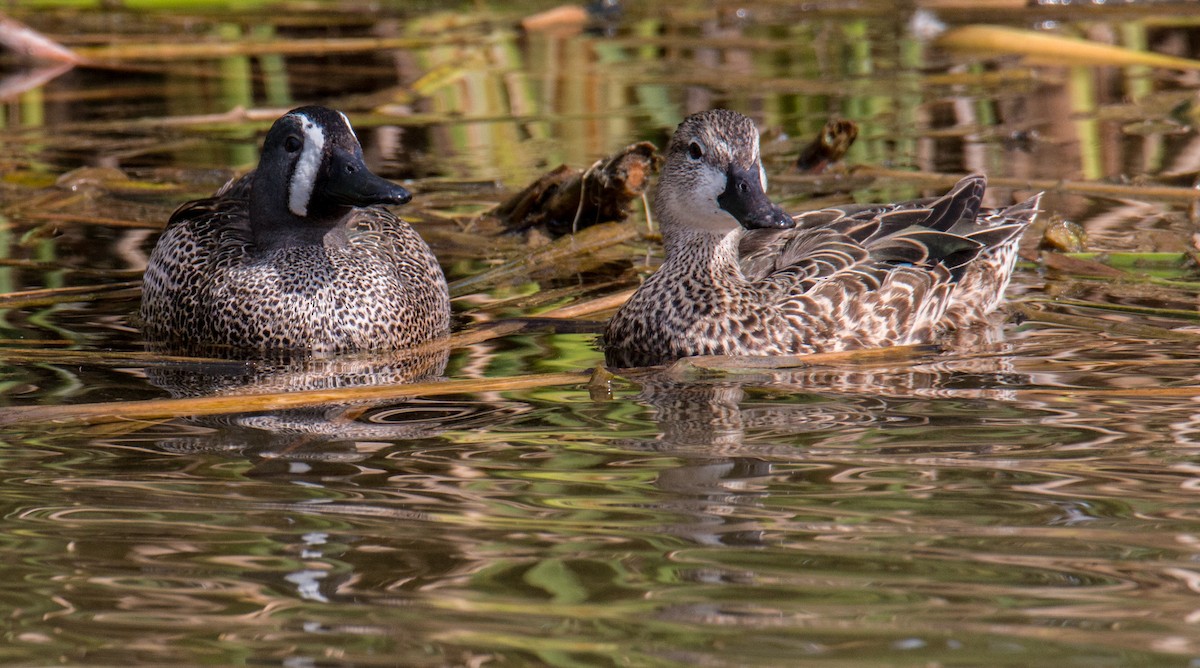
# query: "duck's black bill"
745, 200
349, 182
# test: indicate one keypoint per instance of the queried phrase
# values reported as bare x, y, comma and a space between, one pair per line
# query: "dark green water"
1019, 503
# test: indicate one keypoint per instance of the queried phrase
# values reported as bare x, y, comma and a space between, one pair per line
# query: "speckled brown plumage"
839, 278
249, 273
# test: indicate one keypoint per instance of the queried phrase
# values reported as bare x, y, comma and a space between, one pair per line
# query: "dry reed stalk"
101, 357
597, 305
155, 409
1112, 190
1053, 49
1032, 312
560, 253
79, 293
213, 50
852, 357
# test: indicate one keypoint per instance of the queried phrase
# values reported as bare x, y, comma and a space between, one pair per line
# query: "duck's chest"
322, 279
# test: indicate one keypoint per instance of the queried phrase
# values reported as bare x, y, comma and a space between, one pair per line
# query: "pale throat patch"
304, 176
705, 213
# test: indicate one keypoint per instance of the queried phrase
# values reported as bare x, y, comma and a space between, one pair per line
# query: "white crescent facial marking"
348, 126
762, 171
304, 176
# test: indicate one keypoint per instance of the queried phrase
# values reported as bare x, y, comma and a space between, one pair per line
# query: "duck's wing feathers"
795, 256
224, 208
923, 233
219, 224
890, 273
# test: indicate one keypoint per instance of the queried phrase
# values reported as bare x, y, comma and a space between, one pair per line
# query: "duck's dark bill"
745, 200
350, 182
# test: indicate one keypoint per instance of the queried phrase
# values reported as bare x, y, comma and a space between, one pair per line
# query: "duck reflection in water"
327, 432
732, 436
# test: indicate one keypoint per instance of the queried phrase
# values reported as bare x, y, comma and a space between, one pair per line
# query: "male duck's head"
311, 173
713, 179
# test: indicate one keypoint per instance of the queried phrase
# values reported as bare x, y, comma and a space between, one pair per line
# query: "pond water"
1029, 501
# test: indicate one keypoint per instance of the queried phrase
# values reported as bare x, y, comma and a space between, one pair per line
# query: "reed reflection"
331, 432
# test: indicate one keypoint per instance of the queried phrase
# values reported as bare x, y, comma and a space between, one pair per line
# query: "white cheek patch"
304, 176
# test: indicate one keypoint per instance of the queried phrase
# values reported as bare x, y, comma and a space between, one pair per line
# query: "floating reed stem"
591, 306
79, 293
154, 409
1032, 312
209, 50
1091, 188
757, 363
561, 253
1055, 49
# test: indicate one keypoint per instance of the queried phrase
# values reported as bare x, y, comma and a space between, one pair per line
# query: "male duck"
296, 255
743, 278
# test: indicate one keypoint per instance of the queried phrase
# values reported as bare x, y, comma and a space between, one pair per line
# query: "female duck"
743, 278
297, 254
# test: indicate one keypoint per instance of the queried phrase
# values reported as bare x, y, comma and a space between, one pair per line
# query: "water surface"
1029, 501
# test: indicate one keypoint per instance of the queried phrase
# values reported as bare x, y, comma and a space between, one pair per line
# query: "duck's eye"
292, 144
694, 151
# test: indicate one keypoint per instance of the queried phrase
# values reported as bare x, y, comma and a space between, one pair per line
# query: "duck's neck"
711, 250
273, 227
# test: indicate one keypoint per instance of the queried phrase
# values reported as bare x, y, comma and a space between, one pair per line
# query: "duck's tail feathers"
960, 205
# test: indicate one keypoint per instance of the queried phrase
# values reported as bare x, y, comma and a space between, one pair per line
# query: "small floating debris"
1064, 236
